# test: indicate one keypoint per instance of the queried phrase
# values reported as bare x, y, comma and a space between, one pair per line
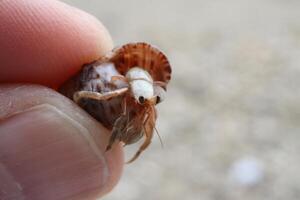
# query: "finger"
51, 149
47, 41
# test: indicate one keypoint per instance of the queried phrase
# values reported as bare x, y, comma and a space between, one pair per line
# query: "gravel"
231, 120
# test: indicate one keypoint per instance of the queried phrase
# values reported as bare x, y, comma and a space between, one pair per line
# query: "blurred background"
231, 121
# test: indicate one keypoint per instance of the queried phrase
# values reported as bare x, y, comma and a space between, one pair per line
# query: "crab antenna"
161, 143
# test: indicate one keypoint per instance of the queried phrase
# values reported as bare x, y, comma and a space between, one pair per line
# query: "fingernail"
45, 154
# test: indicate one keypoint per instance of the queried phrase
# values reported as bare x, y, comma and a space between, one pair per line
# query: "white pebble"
247, 171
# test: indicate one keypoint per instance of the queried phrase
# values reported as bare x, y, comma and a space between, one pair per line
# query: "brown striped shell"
141, 55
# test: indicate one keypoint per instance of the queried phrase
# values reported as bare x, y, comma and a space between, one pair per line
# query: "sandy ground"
231, 120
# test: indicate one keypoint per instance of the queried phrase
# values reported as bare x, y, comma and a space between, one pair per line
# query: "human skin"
49, 147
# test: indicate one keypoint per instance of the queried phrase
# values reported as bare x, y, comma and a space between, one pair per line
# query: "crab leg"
148, 137
117, 131
119, 77
98, 96
119, 126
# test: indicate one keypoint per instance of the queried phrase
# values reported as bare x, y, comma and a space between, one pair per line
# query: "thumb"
51, 149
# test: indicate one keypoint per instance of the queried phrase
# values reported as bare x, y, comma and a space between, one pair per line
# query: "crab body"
121, 90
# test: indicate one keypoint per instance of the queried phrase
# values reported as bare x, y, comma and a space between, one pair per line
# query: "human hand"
49, 147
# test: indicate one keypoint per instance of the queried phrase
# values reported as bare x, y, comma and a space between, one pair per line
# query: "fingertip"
58, 148
115, 162
47, 41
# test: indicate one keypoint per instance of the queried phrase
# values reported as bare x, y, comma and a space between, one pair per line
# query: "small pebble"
247, 171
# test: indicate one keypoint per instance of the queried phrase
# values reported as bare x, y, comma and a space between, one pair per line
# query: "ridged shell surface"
141, 55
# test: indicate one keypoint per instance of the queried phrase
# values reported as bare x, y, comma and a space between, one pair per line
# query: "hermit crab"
121, 90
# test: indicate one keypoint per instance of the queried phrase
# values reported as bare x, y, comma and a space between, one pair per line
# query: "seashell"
141, 55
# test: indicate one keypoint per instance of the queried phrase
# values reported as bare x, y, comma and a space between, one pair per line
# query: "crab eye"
159, 92
158, 99
141, 99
